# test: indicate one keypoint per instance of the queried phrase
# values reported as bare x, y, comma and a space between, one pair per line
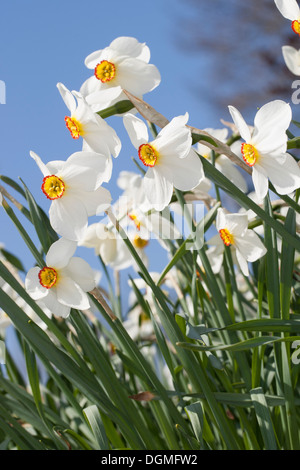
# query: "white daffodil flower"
292, 59
123, 65
245, 244
290, 10
265, 148
64, 282
169, 159
97, 135
73, 186
222, 163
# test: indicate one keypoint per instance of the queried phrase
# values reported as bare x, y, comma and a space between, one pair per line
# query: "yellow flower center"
47, 277
139, 242
53, 187
226, 236
296, 26
148, 155
105, 71
134, 219
74, 126
250, 154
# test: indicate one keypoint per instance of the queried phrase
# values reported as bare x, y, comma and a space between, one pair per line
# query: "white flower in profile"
292, 59
64, 282
234, 233
169, 159
97, 135
222, 163
290, 10
73, 186
123, 65
265, 148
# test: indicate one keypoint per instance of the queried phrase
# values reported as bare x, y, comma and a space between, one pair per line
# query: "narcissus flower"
265, 148
169, 159
222, 163
124, 64
233, 232
73, 186
63, 282
97, 135
290, 10
292, 59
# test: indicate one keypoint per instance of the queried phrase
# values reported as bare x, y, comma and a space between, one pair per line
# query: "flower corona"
105, 71
53, 187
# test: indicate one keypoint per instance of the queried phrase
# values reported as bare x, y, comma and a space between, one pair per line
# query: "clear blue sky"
43, 43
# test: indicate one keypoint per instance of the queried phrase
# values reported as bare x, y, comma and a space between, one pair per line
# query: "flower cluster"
168, 161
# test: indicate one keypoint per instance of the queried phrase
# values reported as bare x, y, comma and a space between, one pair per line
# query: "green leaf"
264, 420
94, 420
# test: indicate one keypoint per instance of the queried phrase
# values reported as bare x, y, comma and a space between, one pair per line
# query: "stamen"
296, 26
139, 242
148, 155
226, 236
136, 221
250, 154
105, 71
47, 277
53, 187
74, 127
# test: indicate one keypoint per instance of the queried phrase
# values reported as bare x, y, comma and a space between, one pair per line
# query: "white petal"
225, 166
84, 170
81, 273
186, 173
271, 123
288, 8
108, 250
68, 217
137, 77
54, 306
250, 246
69, 293
174, 139
158, 188
292, 59
33, 286
283, 172
60, 252
67, 96
240, 123
95, 202
40, 164
93, 59
131, 47
260, 182
137, 130
242, 263
101, 99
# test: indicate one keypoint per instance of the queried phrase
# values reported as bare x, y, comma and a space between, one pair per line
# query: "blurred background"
210, 54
